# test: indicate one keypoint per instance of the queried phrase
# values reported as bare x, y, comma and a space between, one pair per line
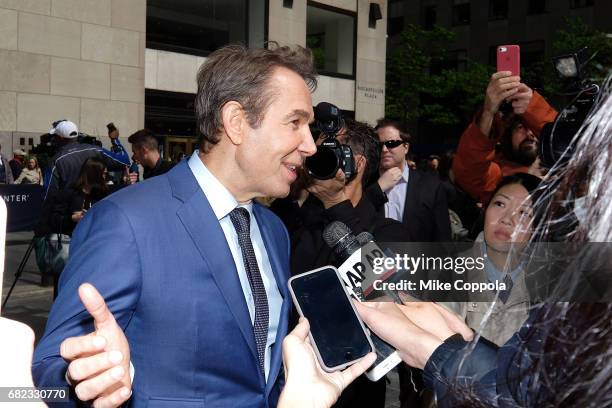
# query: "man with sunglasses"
414, 198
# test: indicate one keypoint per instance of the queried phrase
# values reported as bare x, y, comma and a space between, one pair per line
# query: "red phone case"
509, 59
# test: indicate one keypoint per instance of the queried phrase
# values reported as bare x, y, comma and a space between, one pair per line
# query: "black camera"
331, 155
556, 138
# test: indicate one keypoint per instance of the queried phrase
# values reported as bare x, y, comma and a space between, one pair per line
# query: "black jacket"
425, 209
67, 163
309, 251
161, 167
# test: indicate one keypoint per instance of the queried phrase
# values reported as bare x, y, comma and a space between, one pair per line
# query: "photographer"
146, 153
338, 199
477, 167
71, 155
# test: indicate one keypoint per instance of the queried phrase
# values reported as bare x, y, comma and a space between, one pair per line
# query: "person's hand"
330, 192
413, 344
502, 86
113, 134
522, 98
389, 178
99, 362
307, 385
16, 346
78, 215
434, 318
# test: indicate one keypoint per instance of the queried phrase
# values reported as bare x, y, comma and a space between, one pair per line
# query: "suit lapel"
204, 229
411, 197
281, 276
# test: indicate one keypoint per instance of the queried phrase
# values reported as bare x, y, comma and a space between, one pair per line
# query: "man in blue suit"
191, 272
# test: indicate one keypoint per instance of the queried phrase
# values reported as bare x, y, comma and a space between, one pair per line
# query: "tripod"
19, 272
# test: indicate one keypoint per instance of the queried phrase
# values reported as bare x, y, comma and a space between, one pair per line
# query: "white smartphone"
337, 333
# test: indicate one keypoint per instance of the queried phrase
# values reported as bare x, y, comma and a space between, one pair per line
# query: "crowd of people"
175, 291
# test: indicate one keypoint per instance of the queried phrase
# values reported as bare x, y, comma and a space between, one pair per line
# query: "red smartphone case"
509, 59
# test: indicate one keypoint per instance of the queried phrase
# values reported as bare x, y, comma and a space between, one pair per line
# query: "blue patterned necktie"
242, 223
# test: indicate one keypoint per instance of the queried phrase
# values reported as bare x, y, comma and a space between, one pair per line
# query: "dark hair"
384, 122
144, 138
529, 181
361, 137
237, 73
92, 175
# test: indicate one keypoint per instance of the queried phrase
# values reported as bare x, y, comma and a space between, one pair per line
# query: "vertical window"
498, 9
536, 7
581, 3
330, 34
430, 17
395, 25
461, 12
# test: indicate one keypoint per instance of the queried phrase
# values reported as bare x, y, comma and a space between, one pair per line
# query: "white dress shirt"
394, 208
222, 203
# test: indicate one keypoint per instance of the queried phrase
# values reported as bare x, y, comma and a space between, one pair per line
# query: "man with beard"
478, 166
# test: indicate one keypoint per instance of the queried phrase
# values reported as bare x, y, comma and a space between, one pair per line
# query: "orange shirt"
478, 168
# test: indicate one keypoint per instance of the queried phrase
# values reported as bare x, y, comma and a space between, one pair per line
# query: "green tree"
417, 86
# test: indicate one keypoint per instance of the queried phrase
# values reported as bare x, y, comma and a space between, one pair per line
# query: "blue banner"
23, 205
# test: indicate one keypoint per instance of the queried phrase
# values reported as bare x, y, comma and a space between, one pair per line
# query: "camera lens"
323, 165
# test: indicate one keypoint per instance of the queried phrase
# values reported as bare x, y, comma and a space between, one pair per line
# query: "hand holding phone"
338, 335
113, 132
306, 384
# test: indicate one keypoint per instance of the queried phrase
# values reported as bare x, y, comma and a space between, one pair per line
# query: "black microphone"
340, 238
358, 255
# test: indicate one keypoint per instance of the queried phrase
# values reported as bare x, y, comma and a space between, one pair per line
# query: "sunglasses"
391, 144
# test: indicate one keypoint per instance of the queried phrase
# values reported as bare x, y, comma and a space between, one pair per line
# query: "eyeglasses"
391, 144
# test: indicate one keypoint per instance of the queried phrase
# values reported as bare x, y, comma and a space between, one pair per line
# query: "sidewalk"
29, 303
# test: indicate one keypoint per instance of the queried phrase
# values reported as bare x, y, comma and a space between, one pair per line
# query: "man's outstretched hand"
99, 362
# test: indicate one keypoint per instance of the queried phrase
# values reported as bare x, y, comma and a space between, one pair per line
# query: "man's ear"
233, 118
360, 162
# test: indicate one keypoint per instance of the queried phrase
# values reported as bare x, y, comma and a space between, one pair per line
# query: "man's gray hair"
236, 73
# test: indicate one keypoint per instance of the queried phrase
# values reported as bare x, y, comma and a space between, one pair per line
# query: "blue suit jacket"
157, 254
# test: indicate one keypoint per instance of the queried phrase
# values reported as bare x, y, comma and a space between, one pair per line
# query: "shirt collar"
219, 197
494, 274
405, 172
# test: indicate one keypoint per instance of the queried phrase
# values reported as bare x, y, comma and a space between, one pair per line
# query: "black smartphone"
338, 335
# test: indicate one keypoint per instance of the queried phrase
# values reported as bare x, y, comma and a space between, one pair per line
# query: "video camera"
48, 145
556, 137
331, 155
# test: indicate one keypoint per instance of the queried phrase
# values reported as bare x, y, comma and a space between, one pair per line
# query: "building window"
330, 34
574, 4
532, 52
199, 27
429, 17
453, 61
536, 7
498, 9
395, 25
461, 12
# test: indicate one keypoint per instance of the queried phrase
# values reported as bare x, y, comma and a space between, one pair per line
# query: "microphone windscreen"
335, 232
365, 237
